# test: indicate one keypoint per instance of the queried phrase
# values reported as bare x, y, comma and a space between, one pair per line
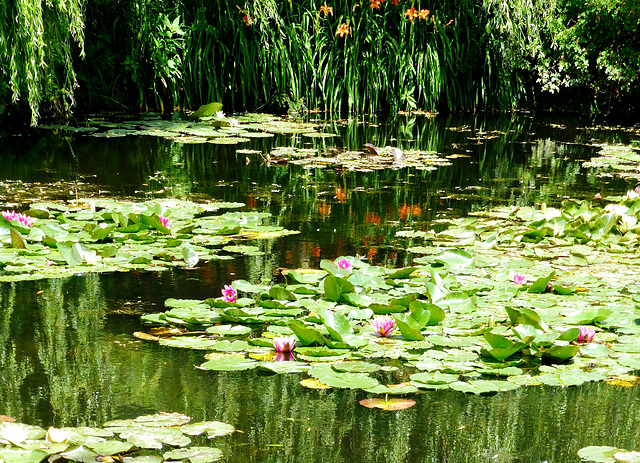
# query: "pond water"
69, 356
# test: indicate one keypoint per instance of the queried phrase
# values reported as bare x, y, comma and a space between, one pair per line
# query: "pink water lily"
164, 221
229, 293
586, 335
17, 217
383, 325
518, 278
284, 343
344, 263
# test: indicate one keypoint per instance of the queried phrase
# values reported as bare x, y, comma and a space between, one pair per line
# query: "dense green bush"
341, 55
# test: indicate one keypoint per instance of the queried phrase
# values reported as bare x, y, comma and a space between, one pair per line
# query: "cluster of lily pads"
219, 129
608, 454
524, 297
56, 239
146, 439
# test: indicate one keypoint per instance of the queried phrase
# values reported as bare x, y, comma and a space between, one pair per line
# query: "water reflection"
69, 357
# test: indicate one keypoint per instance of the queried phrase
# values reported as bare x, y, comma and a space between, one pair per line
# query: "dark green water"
69, 358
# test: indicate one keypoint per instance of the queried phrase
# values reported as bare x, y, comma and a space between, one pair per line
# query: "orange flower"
326, 10
324, 209
342, 30
339, 193
411, 13
373, 218
375, 4
395, 2
424, 14
248, 20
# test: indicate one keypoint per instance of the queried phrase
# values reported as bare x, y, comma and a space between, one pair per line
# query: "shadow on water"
69, 357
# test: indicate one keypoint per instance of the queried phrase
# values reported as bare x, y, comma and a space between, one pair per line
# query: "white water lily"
220, 114
628, 221
632, 194
617, 209
14, 433
57, 435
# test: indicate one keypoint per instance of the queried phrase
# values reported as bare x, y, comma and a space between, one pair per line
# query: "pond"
70, 357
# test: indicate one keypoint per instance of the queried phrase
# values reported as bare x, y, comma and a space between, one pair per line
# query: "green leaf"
540, 285
559, 354
408, 327
212, 428
229, 364
305, 334
13, 455
598, 454
281, 294
190, 256
195, 454
206, 110
17, 241
335, 287
419, 311
456, 258
337, 325
403, 273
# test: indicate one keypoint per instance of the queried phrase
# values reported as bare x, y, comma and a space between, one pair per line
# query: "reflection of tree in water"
53, 363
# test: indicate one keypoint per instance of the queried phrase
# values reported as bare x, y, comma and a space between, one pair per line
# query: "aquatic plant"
160, 433
164, 221
586, 334
284, 343
344, 263
229, 293
518, 278
17, 217
383, 325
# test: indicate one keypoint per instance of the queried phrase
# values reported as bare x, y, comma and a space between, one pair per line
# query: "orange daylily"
375, 4
411, 13
326, 10
395, 2
342, 30
423, 14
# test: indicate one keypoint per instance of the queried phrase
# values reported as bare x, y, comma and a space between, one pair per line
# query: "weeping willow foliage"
38, 42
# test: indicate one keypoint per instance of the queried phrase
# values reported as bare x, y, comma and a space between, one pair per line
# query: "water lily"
17, 217
383, 324
229, 293
13, 432
57, 435
628, 221
344, 263
617, 209
284, 343
518, 278
586, 334
164, 221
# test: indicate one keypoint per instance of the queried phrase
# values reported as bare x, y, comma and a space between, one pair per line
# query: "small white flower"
632, 194
220, 114
13, 432
57, 435
628, 221
234, 122
617, 209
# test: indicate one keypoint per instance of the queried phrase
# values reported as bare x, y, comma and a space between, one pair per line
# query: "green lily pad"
194, 454
212, 428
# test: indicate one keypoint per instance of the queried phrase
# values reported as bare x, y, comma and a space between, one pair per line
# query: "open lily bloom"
164, 221
284, 343
17, 217
344, 263
383, 324
518, 278
229, 293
